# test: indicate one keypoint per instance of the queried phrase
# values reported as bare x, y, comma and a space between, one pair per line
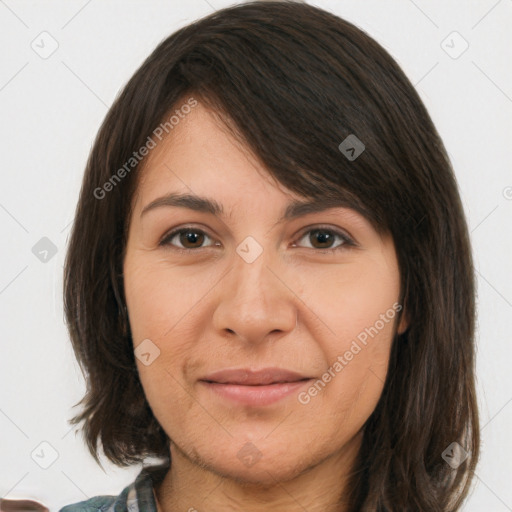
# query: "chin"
263, 475
259, 467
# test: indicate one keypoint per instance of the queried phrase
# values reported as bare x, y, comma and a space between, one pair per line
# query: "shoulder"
139, 495
98, 503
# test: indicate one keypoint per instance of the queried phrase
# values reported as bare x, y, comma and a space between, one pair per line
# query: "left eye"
326, 236
192, 238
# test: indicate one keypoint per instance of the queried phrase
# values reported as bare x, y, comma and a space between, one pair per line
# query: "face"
262, 344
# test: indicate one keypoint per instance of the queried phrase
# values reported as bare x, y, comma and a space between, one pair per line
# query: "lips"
248, 377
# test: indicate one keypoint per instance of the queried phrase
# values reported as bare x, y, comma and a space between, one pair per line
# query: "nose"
255, 300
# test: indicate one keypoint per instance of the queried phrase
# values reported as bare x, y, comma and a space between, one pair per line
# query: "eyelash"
347, 241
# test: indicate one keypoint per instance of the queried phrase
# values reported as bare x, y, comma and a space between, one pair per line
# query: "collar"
139, 496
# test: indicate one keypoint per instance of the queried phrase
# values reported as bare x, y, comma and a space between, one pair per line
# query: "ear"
403, 325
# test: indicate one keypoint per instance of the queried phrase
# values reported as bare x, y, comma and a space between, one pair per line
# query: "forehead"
200, 139
201, 165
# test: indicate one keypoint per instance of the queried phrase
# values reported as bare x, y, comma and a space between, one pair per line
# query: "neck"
192, 487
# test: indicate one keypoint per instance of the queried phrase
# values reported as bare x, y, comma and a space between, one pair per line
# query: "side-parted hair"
292, 82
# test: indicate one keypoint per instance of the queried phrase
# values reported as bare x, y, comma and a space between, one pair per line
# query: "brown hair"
293, 81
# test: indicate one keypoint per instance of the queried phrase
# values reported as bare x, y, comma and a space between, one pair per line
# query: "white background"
51, 110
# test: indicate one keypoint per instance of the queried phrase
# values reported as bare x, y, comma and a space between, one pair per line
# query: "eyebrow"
293, 210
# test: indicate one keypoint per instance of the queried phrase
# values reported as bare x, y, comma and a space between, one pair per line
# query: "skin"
295, 307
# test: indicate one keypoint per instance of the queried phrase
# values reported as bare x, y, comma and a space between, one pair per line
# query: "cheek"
357, 309
164, 307
356, 301
161, 298
351, 393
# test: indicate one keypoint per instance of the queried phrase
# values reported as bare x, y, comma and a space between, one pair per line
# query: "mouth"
254, 387
248, 377
254, 384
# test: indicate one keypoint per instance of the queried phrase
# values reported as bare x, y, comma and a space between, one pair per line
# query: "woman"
269, 283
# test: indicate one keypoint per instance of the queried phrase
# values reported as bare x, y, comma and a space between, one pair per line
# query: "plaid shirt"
139, 496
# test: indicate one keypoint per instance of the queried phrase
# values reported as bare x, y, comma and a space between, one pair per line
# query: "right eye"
189, 237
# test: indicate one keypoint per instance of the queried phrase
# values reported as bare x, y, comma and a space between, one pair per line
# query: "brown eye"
185, 238
194, 238
325, 238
